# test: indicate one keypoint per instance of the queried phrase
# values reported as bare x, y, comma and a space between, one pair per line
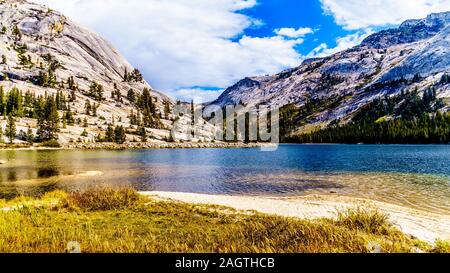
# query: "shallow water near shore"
414, 176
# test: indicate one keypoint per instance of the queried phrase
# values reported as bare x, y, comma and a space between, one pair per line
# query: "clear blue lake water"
414, 175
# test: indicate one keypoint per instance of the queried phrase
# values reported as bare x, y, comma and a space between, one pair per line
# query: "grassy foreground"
120, 220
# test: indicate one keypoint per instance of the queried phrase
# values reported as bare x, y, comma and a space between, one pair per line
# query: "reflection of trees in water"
10, 155
12, 175
47, 164
46, 172
29, 165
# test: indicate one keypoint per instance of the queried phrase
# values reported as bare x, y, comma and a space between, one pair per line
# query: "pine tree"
126, 75
30, 136
94, 109
137, 76
143, 134
96, 91
48, 120
28, 101
132, 118
138, 119
73, 96
131, 96
3, 30
84, 133
115, 94
38, 106
2, 102
58, 100
17, 33
4, 61
109, 136
99, 138
166, 109
45, 82
72, 87
64, 122
192, 113
14, 102
149, 115
85, 123
119, 135
87, 107
10, 131
69, 117
51, 78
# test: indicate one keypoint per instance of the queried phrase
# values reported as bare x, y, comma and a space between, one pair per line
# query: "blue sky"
301, 13
193, 49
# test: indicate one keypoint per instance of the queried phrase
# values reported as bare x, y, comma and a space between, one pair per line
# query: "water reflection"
47, 172
12, 176
417, 176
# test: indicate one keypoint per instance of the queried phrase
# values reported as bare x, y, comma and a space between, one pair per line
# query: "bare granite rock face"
82, 53
34, 37
351, 79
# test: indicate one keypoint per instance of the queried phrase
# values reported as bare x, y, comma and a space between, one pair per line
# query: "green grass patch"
120, 220
51, 144
381, 120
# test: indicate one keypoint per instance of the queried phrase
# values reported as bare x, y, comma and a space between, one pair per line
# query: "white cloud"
342, 43
294, 33
197, 94
183, 43
357, 14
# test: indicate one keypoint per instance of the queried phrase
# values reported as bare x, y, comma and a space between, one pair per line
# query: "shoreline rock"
145, 146
141, 146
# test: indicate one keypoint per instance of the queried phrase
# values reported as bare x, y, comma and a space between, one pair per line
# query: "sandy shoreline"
426, 226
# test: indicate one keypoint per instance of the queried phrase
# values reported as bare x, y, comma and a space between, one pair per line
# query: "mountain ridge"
413, 56
46, 53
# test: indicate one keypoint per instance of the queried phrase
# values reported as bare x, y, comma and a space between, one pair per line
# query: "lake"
415, 176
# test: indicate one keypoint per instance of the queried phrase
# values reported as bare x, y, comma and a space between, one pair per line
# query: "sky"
194, 49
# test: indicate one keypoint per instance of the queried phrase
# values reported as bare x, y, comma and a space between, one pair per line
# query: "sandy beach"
424, 225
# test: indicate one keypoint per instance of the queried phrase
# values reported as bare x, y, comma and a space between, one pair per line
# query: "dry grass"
95, 199
372, 222
441, 247
119, 220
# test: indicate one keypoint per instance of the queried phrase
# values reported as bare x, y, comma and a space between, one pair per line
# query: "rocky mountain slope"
45, 52
414, 56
